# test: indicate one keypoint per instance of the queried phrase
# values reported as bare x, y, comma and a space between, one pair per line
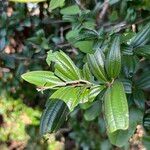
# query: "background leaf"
55, 4
92, 112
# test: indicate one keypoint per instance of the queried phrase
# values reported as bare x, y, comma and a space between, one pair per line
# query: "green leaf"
127, 85
96, 64
71, 96
141, 38
28, 1
116, 108
64, 66
127, 50
85, 46
55, 4
43, 79
71, 10
121, 137
129, 65
146, 121
94, 91
143, 51
113, 61
146, 141
139, 98
53, 116
86, 73
92, 112
144, 81
2, 43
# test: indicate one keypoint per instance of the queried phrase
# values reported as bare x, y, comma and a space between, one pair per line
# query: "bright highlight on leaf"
96, 63
43, 79
113, 61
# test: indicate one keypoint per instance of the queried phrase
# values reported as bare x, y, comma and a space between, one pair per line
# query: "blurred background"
27, 32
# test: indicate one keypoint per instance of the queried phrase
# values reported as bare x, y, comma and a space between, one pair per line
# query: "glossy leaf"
141, 38
127, 85
71, 96
64, 66
129, 65
113, 61
53, 116
121, 137
143, 51
42, 79
139, 98
28, 1
146, 121
55, 4
94, 91
86, 73
144, 81
116, 108
96, 64
92, 112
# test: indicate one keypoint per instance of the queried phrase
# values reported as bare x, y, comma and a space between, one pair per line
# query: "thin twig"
123, 25
80, 4
103, 12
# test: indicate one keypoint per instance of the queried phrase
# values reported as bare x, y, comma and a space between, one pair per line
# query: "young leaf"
113, 61
42, 79
96, 64
116, 108
28, 1
53, 116
121, 137
141, 38
55, 4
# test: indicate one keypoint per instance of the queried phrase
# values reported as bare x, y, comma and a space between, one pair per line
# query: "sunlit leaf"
116, 108
42, 79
